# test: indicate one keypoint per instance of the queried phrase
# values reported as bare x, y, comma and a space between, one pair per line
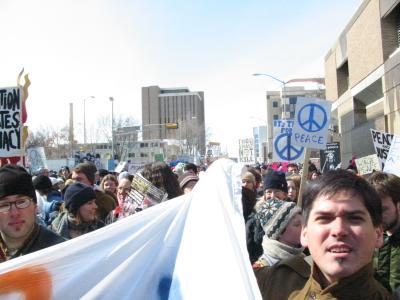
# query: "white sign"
36, 158
392, 164
368, 164
311, 123
284, 150
382, 142
10, 122
246, 150
151, 254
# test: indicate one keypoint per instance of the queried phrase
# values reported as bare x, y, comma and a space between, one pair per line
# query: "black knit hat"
15, 180
275, 180
76, 195
42, 183
88, 169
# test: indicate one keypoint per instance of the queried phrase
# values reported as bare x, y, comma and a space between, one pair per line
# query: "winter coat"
387, 261
40, 238
292, 279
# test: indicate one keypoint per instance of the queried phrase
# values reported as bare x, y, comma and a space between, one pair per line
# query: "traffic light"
171, 125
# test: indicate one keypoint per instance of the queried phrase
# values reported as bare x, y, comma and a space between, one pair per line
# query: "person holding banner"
342, 219
388, 257
19, 232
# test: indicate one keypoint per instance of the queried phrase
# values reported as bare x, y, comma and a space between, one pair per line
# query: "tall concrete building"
174, 105
362, 72
282, 104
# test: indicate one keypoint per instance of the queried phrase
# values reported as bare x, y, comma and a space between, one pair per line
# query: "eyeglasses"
20, 204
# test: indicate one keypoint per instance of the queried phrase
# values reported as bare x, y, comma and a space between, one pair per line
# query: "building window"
292, 100
343, 78
275, 104
276, 117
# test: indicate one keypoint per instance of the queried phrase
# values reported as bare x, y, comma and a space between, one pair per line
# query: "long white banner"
191, 247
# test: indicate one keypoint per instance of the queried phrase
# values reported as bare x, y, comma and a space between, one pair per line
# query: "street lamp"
84, 119
112, 127
283, 89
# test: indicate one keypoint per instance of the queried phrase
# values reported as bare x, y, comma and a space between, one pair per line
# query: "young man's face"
17, 223
340, 235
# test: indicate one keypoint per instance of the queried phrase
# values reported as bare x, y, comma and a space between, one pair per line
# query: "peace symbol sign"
285, 149
312, 117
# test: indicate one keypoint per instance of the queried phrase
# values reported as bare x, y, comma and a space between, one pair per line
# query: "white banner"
368, 164
191, 247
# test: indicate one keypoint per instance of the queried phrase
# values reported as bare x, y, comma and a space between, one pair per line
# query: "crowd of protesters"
341, 242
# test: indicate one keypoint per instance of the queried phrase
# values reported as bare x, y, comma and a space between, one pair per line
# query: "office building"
362, 72
162, 106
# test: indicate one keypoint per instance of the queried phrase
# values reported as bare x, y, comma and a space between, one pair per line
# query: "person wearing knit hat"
20, 233
275, 185
281, 223
86, 174
80, 215
187, 181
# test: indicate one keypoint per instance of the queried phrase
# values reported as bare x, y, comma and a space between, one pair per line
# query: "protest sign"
330, 157
310, 128
246, 150
382, 142
10, 122
392, 164
284, 150
368, 164
143, 194
122, 166
151, 254
36, 158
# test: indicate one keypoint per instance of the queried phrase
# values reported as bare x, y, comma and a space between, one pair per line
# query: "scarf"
67, 223
278, 250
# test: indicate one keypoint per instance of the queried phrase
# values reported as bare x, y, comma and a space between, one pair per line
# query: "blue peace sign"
285, 149
312, 117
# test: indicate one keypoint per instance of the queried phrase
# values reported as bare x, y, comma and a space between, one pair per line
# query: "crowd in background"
50, 207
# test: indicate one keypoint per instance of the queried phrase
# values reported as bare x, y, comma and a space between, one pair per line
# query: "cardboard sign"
284, 150
392, 164
368, 164
311, 123
330, 157
10, 122
382, 142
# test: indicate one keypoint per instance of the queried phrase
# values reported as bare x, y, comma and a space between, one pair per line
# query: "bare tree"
54, 141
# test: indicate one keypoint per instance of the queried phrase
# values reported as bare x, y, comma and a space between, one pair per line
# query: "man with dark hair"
19, 232
388, 257
341, 228
86, 174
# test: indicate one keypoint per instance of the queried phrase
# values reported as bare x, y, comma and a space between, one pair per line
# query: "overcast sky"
74, 49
